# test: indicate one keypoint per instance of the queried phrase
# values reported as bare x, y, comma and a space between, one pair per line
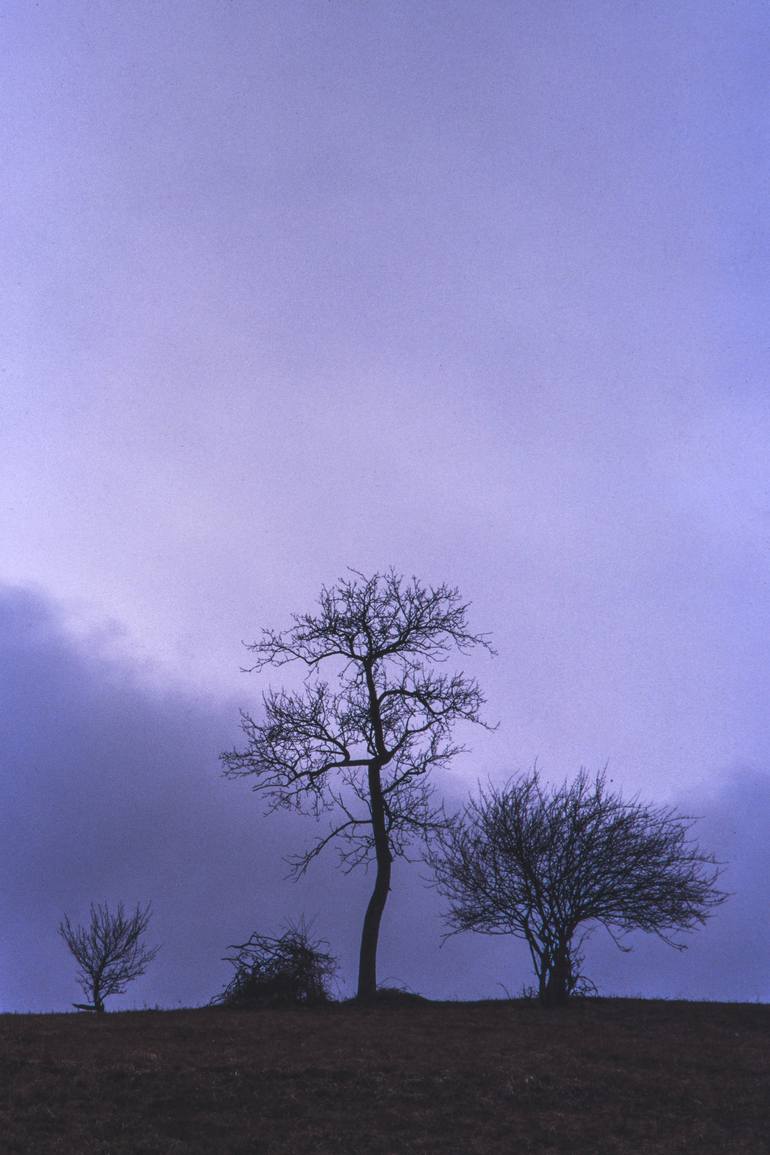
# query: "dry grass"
604, 1076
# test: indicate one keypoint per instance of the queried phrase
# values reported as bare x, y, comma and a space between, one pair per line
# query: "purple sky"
472, 290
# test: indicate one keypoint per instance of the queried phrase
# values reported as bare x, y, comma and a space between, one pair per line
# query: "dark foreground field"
602, 1076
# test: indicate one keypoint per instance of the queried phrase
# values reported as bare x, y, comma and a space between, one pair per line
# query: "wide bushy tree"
373, 718
549, 864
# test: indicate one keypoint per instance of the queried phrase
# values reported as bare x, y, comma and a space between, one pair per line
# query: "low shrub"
291, 970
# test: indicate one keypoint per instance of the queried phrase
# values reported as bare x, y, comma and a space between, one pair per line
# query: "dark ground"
638, 1077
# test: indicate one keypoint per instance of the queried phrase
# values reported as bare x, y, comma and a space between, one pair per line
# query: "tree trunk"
554, 991
367, 964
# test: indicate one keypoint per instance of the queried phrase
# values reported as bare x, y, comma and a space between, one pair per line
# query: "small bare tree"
364, 744
109, 951
545, 864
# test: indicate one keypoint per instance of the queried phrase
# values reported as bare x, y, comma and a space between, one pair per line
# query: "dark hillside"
602, 1076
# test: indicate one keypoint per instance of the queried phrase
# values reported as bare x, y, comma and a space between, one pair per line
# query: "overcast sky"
474, 290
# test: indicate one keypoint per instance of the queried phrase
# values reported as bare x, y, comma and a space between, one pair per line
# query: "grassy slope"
602, 1076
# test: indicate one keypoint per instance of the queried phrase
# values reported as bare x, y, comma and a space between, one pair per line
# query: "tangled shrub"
292, 970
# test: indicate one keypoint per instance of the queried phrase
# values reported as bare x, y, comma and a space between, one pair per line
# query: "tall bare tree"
109, 951
545, 864
363, 743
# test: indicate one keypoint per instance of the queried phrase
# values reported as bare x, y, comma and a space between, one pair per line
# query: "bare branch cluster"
109, 951
546, 865
310, 750
380, 616
293, 969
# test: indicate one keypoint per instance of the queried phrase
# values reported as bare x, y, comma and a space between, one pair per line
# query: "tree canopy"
547, 864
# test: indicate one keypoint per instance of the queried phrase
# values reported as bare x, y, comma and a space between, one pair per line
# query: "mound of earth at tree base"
391, 997
603, 1077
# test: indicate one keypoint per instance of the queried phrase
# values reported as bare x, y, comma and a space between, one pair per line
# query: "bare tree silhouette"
364, 744
109, 951
544, 864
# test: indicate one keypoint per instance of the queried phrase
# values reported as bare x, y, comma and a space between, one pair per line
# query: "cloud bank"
111, 790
